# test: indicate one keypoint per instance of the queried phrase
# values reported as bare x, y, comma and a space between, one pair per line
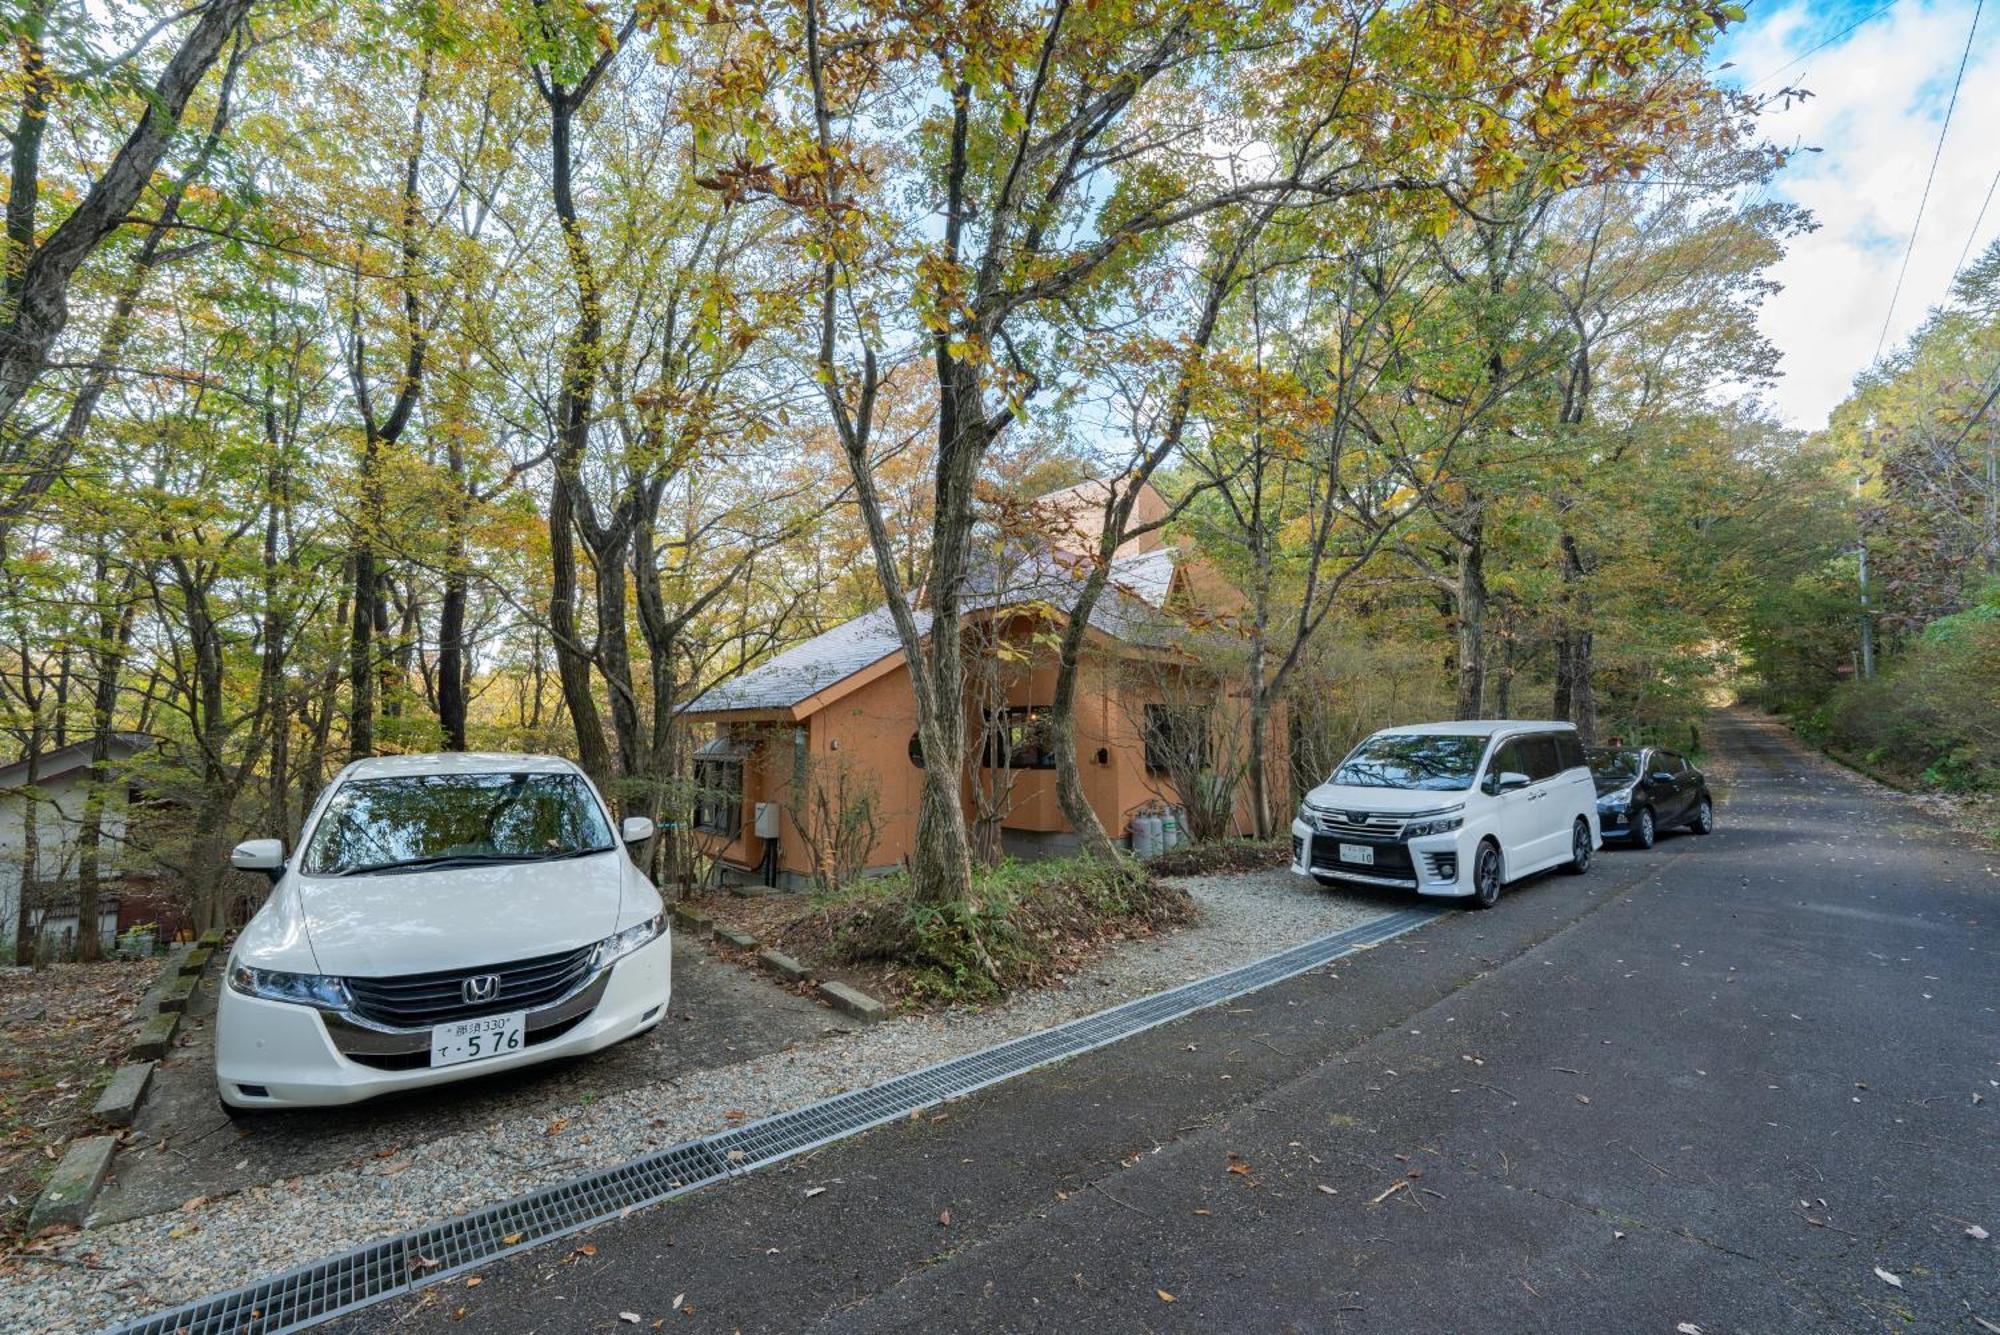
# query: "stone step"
73, 1186
196, 960
852, 1001
156, 1036
731, 936
176, 994
119, 1103
778, 962
692, 922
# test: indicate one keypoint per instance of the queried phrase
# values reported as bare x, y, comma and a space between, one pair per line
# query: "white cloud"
1879, 98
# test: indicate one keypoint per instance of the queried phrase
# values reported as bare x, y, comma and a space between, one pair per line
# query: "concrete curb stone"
156, 1036
119, 1103
778, 962
852, 1001
73, 1186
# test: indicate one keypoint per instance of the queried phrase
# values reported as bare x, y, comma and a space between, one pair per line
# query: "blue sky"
1879, 99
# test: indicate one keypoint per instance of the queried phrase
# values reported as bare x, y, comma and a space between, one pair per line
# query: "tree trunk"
1575, 697
40, 306
31, 853
114, 634
1471, 607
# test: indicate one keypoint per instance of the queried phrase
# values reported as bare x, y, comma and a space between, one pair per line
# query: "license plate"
487, 1036
1357, 853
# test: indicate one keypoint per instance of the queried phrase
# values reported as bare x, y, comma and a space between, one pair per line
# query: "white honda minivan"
446, 916
1455, 809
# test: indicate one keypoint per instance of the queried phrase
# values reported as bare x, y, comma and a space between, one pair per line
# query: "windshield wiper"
468, 860
440, 860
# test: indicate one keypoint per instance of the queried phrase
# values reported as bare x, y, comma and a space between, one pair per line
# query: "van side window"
1540, 753
1569, 750
1505, 758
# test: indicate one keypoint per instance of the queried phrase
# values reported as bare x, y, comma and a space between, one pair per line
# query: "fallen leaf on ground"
1165, 1297
555, 1127
194, 1202
510, 1239
944, 1218
679, 1298
1687, 1328
815, 1191
474, 1282
587, 1249
629, 1318
1328, 1190
1583, 1098
1887, 1278
1976, 1232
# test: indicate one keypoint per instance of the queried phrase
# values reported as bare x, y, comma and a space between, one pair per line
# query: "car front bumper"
291, 1052
1437, 864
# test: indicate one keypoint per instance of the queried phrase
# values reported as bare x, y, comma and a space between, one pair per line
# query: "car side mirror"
264, 855
1661, 776
1509, 780
636, 829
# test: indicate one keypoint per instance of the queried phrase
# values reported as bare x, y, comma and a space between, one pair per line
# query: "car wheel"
1486, 877
1704, 816
1579, 848
1644, 831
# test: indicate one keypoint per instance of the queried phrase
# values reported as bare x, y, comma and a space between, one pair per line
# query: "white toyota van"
1452, 809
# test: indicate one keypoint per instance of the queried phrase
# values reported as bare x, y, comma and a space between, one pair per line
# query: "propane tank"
1170, 829
1146, 835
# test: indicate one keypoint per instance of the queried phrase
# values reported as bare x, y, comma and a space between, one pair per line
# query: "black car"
1643, 790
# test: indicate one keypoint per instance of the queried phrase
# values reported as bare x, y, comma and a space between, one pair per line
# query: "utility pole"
1867, 620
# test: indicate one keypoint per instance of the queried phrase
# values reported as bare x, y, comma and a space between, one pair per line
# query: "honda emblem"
480, 987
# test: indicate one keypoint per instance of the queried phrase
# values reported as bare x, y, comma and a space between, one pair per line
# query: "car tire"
1704, 816
1580, 848
1486, 872
1644, 828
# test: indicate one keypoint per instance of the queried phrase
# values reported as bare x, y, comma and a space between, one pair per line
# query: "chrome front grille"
418, 1000
1372, 825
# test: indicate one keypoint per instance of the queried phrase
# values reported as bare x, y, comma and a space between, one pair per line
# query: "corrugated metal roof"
807, 669
1129, 610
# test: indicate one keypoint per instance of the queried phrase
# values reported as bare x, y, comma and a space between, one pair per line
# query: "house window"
718, 805
1176, 735
1018, 738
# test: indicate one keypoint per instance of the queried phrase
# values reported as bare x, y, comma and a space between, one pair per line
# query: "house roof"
1129, 610
68, 759
804, 670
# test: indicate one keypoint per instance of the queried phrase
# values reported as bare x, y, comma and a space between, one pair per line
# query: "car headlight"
620, 944
300, 989
1442, 822
1617, 801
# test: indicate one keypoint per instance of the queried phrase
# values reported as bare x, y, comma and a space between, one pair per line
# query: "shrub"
1024, 923
1224, 855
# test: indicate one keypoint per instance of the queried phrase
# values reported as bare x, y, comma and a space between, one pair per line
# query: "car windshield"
421, 820
1612, 763
1413, 760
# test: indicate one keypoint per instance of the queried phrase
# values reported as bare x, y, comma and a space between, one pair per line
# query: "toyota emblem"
480, 987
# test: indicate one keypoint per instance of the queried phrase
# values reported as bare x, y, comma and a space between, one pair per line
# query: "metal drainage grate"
401, 1264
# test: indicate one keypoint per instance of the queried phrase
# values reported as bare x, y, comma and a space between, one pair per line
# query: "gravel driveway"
476, 1149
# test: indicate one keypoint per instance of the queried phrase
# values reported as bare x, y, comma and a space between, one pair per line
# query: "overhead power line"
1973, 235
1800, 60
1925, 198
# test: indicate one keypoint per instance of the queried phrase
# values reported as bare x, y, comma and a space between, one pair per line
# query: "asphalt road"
1715, 1087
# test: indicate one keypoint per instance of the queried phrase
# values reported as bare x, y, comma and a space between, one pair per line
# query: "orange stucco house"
814, 758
